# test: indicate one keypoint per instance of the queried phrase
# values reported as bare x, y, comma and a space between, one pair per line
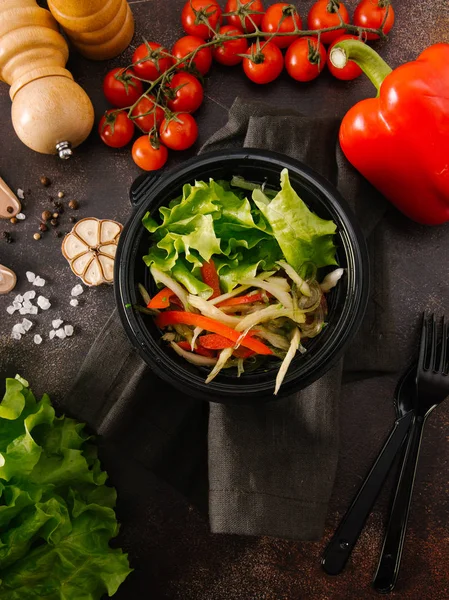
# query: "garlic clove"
9, 204
108, 250
109, 231
93, 274
72, 246
88, 231
107, 265
80, 264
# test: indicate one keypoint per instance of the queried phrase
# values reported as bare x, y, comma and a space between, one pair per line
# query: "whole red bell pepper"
400, 140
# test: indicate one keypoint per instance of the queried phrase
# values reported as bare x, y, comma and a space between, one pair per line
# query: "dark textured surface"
189, 563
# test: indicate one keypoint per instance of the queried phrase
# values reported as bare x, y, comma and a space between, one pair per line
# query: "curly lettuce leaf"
301, 234
56, 513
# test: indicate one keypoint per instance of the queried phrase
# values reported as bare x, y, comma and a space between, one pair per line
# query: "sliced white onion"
331, 280
225, 355
302, 285
196, 333
273, 288
173, 285
209, 310
195, 359
270, 312
240, 289
280, 282
276, 340
296, 339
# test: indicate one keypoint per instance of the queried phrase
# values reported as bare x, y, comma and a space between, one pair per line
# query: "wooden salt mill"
98, 29
50, 112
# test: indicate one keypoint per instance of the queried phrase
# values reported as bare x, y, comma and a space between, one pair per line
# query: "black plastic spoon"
345, 537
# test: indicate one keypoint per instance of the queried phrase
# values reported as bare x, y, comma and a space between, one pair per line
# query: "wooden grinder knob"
50, 112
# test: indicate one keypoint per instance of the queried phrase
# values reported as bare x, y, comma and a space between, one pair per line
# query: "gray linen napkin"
271, 467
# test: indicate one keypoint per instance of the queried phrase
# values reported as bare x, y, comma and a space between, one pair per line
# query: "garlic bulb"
90, 249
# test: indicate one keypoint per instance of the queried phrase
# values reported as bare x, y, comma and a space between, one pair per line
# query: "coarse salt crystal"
19, 328
73, 302
43, 303
11, 309
37, 339
18, 298
52, 334
29, 295
15, 335
27, 304
20, 194
57, 323
30, 276
77, 290
20, 216
24, 311
39, 281
17, 304
33, 310
68, 330
61, 333
27, 324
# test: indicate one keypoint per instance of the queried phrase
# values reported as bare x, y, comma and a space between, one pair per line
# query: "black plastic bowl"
347, 302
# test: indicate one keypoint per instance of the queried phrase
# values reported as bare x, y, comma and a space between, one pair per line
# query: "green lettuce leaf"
302, 235
56, 513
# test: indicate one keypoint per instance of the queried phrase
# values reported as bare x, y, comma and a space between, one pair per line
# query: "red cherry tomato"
324, 14
305, 59
180, 132
121, 88
245, 18
186, 45
266, 64
115, 128
146, 157
369, 13
281, 17
351, 70
184, 93
196, 13
148, 115
228, 52
151, 60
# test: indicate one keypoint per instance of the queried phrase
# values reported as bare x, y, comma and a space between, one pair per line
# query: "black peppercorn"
9, 209
46, 215
45, 181
43, 227
72, 219
74, 204
54, 222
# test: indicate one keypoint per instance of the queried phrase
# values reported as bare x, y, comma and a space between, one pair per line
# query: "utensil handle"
390, 560
342, 543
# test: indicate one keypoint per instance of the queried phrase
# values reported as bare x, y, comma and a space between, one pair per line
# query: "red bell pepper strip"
243, 352
215, 341
197, 350
171, 317
210, 277
161, 299
400, 140
257, 297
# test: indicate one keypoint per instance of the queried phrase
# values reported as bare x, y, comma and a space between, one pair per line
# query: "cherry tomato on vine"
115, 128
371, 14
187, 44
151, 60
305, 59
121, 88
179, 132
146, 156
281, 17
196, 14
245, 18
324, 14
227, 53
184, 93
351, 70
148, 115
265, 64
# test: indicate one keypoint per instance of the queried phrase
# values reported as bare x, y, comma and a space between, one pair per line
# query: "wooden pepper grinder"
50, 112
98, 29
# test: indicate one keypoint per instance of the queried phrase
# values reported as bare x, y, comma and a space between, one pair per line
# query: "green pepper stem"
368, 60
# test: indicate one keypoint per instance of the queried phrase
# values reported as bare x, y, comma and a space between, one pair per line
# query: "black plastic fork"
432, 387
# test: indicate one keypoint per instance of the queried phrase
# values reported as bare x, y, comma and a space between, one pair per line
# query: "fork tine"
433, 344
444, 341
423, 344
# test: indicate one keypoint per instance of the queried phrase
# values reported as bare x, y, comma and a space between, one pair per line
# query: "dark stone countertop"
189, 562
